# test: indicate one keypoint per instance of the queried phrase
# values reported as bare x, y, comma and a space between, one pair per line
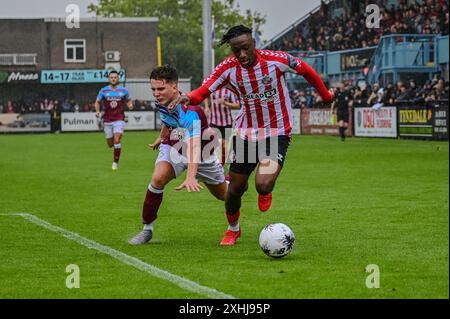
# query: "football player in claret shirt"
221, 102
114, 98
186, 142
265, 117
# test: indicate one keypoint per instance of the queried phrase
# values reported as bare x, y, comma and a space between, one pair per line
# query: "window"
74, 50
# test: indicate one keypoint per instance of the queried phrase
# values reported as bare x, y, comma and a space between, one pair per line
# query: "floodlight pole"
207, 39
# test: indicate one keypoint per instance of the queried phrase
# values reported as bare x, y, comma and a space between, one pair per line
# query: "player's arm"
97, 103
163, 133
194, 148
302, 68
97, 108
207, 107
193, 155
129, 101
214, 82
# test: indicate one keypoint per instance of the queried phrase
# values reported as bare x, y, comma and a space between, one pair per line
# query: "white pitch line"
126, 259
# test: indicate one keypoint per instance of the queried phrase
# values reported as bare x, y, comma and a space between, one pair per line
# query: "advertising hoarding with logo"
440, 121
88, 122
376, 123
18, 77
33, 122
78, 76
415, 121
320, 122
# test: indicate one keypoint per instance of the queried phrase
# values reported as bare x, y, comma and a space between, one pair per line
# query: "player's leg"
244, 162
211, 173
109, 134
167, 167
118, 128
219, 191
237, 187
270, 165
265, 179
110, 142
162, 175
341, 119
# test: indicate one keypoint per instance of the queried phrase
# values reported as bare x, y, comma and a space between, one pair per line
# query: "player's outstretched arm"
97, 108
162, 134
304, 69
193, 155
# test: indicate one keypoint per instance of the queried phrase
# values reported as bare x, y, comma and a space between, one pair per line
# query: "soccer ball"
276, 240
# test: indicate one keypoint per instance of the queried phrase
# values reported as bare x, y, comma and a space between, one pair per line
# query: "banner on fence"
440, 122
88, 122
320, 122
415, 121
33, 122
376, 123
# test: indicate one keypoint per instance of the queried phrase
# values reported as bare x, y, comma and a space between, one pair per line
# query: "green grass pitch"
365, 201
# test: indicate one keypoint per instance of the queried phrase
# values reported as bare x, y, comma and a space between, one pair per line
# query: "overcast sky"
279, 13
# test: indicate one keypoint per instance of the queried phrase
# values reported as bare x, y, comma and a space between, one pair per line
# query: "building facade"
44, 59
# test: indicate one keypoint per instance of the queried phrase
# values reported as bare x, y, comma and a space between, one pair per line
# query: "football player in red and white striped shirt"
265, 118
221, 103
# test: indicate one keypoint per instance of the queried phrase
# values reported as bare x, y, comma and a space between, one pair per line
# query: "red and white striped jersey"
263, 92
220, 113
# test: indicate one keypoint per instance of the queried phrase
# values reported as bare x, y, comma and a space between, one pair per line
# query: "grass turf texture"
365, 201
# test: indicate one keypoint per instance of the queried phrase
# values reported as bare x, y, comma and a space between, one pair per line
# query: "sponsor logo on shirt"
265, 95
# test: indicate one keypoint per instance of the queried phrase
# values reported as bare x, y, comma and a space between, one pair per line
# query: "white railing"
18, 59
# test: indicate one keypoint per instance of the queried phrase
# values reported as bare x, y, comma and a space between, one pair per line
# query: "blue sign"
77, 76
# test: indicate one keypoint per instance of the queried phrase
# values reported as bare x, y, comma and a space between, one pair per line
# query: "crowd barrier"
396, 121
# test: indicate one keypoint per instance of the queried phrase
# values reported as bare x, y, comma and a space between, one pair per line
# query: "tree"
180, 27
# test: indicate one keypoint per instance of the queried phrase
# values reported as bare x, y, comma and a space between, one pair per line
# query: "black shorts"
342, 115
247, 155
221, 129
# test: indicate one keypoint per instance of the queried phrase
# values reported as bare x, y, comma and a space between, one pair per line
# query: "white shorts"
210, 172
112, 128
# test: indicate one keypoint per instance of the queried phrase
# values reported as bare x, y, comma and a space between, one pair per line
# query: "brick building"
42, 58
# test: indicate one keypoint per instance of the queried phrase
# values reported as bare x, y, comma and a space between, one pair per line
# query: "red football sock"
233, 219
117, 149
152, 202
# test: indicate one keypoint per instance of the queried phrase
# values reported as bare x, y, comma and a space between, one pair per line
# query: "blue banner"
77, 76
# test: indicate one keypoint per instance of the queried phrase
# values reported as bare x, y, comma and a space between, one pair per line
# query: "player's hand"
97, 114
155, 144
183, 99
221, 101
333, 94
191, 185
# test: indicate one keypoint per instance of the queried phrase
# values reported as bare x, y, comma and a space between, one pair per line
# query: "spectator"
10, 107
321, 31
363, 96
66, 107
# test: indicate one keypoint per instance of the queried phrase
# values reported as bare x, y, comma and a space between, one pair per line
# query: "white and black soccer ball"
276, 240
